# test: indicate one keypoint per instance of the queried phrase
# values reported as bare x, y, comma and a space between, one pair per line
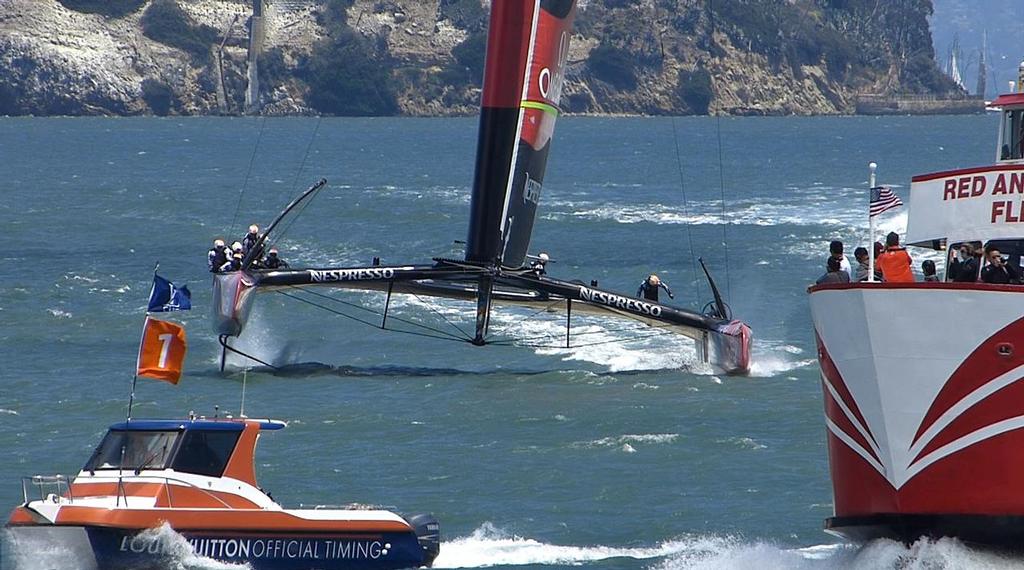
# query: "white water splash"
181, 555
714, 553
771, 358
59, 313
488, 546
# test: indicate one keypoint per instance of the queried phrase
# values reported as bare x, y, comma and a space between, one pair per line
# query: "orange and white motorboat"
197, 477
922, 382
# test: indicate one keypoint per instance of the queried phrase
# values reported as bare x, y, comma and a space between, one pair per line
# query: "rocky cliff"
425, 57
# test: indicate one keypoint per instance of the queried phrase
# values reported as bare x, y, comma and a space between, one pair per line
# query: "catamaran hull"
722, 344
93, 547
232, 302
924, 407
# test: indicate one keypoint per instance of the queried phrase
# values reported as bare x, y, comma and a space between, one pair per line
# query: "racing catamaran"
527, 54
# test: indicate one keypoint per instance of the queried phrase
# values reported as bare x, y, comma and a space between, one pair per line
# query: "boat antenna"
241, 410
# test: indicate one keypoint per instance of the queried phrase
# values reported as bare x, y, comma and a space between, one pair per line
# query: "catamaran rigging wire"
440, 314
686, 213
295, 182
721, 170
446, 335
248, 172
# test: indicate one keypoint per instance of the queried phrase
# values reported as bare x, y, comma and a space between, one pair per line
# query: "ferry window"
141, 450
205, 452
1013, 135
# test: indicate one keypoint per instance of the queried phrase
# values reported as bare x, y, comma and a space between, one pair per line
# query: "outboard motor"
428, 532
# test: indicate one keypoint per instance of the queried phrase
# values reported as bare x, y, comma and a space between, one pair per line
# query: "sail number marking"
165, 347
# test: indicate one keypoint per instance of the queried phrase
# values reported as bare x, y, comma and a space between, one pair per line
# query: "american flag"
882, 199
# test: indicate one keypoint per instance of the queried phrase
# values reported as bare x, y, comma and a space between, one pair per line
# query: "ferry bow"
924, 399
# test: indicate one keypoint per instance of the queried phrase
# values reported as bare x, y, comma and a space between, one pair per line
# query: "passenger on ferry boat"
833, 274
967, 270
895, 262
928, 269
863, 265
998, 271
835, 249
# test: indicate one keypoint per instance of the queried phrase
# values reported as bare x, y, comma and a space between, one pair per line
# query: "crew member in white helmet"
538, 266
250, 239
217, 256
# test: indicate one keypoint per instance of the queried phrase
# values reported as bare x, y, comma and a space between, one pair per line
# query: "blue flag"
166, 297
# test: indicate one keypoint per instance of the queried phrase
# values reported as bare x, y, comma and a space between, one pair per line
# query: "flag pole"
871, 225
135, 377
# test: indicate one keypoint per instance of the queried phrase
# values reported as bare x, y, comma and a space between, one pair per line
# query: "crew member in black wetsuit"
273, 261
217, 256
538, 266
649, 288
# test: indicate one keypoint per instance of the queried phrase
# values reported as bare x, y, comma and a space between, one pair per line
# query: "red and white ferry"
924, 398
197, 477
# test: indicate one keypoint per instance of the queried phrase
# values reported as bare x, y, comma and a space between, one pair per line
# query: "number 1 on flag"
162, 351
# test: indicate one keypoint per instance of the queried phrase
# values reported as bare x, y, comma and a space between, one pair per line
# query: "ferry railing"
58, 483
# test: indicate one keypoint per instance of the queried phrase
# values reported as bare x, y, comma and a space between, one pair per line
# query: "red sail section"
527, 47
508, 46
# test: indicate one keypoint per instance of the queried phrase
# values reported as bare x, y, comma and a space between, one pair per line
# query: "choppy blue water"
619, 454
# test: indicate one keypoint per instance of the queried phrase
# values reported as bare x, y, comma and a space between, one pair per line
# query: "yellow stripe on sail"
538, 105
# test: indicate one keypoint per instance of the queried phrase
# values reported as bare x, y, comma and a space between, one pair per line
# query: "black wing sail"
526, 56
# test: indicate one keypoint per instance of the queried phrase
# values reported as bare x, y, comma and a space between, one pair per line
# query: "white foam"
489, 546
628, 439
769, 358
6, 411
59, 313
181, 553
744, 442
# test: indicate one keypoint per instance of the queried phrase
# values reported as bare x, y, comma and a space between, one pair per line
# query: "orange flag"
162, 352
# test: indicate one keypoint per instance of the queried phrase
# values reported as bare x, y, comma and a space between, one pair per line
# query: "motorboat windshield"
133, 450
201, 448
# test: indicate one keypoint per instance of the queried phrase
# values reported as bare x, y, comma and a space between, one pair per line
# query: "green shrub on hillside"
470, 56
108, 8
465, 14
614, 66
165, 22
346, 77
694, 89
159, 97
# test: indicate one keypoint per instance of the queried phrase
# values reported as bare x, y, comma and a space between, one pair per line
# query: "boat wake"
36, 556
618, 349
488, 547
